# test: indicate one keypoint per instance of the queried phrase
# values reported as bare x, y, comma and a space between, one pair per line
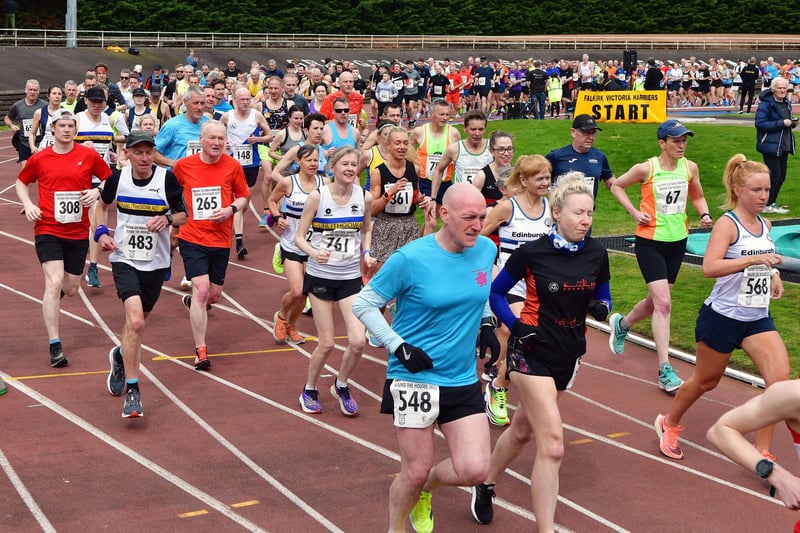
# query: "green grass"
688, 294
628, 144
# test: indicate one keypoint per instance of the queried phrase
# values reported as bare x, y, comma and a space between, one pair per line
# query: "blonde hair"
569, 183
340, 153
527, 165
738, 169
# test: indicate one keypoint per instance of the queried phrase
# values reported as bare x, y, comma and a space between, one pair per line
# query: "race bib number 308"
67, 206
416, 405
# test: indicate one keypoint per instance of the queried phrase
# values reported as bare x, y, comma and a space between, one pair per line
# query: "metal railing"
97, 38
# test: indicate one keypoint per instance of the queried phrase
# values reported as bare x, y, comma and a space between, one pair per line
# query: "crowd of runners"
365, 198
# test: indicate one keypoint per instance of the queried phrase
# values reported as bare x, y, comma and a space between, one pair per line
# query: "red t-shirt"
207, 187
356, 104
61, 178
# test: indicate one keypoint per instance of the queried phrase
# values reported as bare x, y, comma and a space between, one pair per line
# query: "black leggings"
777, 174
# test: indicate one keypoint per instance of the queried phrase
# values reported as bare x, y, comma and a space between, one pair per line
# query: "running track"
231, 449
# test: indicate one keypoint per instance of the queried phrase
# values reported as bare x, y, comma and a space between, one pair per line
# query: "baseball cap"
139, 92
155, 89
138, 137
156, 67
64, 114
585, 122
673, 128
95, 93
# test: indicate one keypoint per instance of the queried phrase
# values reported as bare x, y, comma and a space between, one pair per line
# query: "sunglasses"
343, 110
124, 77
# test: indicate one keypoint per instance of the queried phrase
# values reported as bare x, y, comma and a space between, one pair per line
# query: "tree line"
419, 17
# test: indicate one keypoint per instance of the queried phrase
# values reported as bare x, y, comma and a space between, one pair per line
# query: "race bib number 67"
416, 405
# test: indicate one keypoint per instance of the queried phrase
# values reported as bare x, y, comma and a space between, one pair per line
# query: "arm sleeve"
497, 298
602, 291
108, 192
367, 308
174, 193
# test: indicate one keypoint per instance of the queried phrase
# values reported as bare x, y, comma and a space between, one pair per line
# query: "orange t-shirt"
355, 99
207, 187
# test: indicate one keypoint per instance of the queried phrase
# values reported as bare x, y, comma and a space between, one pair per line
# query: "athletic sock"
340, 385
133, 384
55, 345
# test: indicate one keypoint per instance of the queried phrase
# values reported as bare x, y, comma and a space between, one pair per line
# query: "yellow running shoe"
277, 260
421, 516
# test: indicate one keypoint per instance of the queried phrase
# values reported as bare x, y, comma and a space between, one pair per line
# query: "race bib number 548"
416, 405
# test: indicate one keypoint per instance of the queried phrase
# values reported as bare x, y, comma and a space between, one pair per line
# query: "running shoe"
116, 376
668, 379
616, 337
668, 438
495, 400
307, 307
347, 405
132, 408
92, 277
201, 360
187, 302
421, 515
482, 496
277, 260
489, 372
3, 388
58, 358
294, 335
186, 284
263, 222
309, 401
280, 330
778, 210
241, 250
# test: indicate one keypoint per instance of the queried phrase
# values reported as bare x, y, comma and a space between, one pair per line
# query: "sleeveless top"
403, 203
489, 190
518, 230
238, 132
430, 153
276, 118
287, 144
744, 295
664, 197
468, 164
376, 159
293, 208
337, 228
136, 245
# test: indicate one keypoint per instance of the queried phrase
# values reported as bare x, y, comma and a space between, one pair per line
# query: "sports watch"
764, 468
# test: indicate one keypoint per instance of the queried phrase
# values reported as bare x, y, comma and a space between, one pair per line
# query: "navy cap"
673, 128
139, 92
585, 122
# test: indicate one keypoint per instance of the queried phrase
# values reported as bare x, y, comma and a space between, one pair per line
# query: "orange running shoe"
279, 331
668, 438
294, 335
201, 360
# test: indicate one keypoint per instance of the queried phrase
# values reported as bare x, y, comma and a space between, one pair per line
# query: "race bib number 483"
416, 405
138, 242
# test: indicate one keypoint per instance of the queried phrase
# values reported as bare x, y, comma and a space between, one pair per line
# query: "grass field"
711, 147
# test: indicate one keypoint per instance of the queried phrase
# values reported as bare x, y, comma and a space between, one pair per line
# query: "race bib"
193, 147
101, 149
433, 161
243, 153
205, 200
756, 286
481, 81
469, 174
352, 119
671, 197
590, 181
67, 206
27, 126
340, 243
384, 96
138, 242
416, 405
48, 140
401, 203
438, 90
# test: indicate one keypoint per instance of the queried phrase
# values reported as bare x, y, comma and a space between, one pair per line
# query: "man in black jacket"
749, 75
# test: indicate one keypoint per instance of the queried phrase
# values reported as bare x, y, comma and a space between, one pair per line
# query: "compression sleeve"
367, 308
497, 298
602, 291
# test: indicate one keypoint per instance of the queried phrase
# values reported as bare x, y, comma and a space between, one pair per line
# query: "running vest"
664, 197
238, 133
376, 159
136, 245
101, 134
276, 118
287, 144
46, 135
517, 231
468, 164
293, 208
430, 152
337, 228
491, 193
744, 295
403, 201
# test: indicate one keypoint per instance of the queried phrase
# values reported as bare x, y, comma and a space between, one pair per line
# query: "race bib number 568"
416, 405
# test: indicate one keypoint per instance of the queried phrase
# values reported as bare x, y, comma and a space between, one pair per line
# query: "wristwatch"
169, 218
234, 209
764, 468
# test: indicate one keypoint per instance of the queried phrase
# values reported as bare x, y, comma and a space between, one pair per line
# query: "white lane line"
33, 507
225, 443
160, 471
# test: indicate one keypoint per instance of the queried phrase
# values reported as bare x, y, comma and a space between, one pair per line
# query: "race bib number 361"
416, 405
